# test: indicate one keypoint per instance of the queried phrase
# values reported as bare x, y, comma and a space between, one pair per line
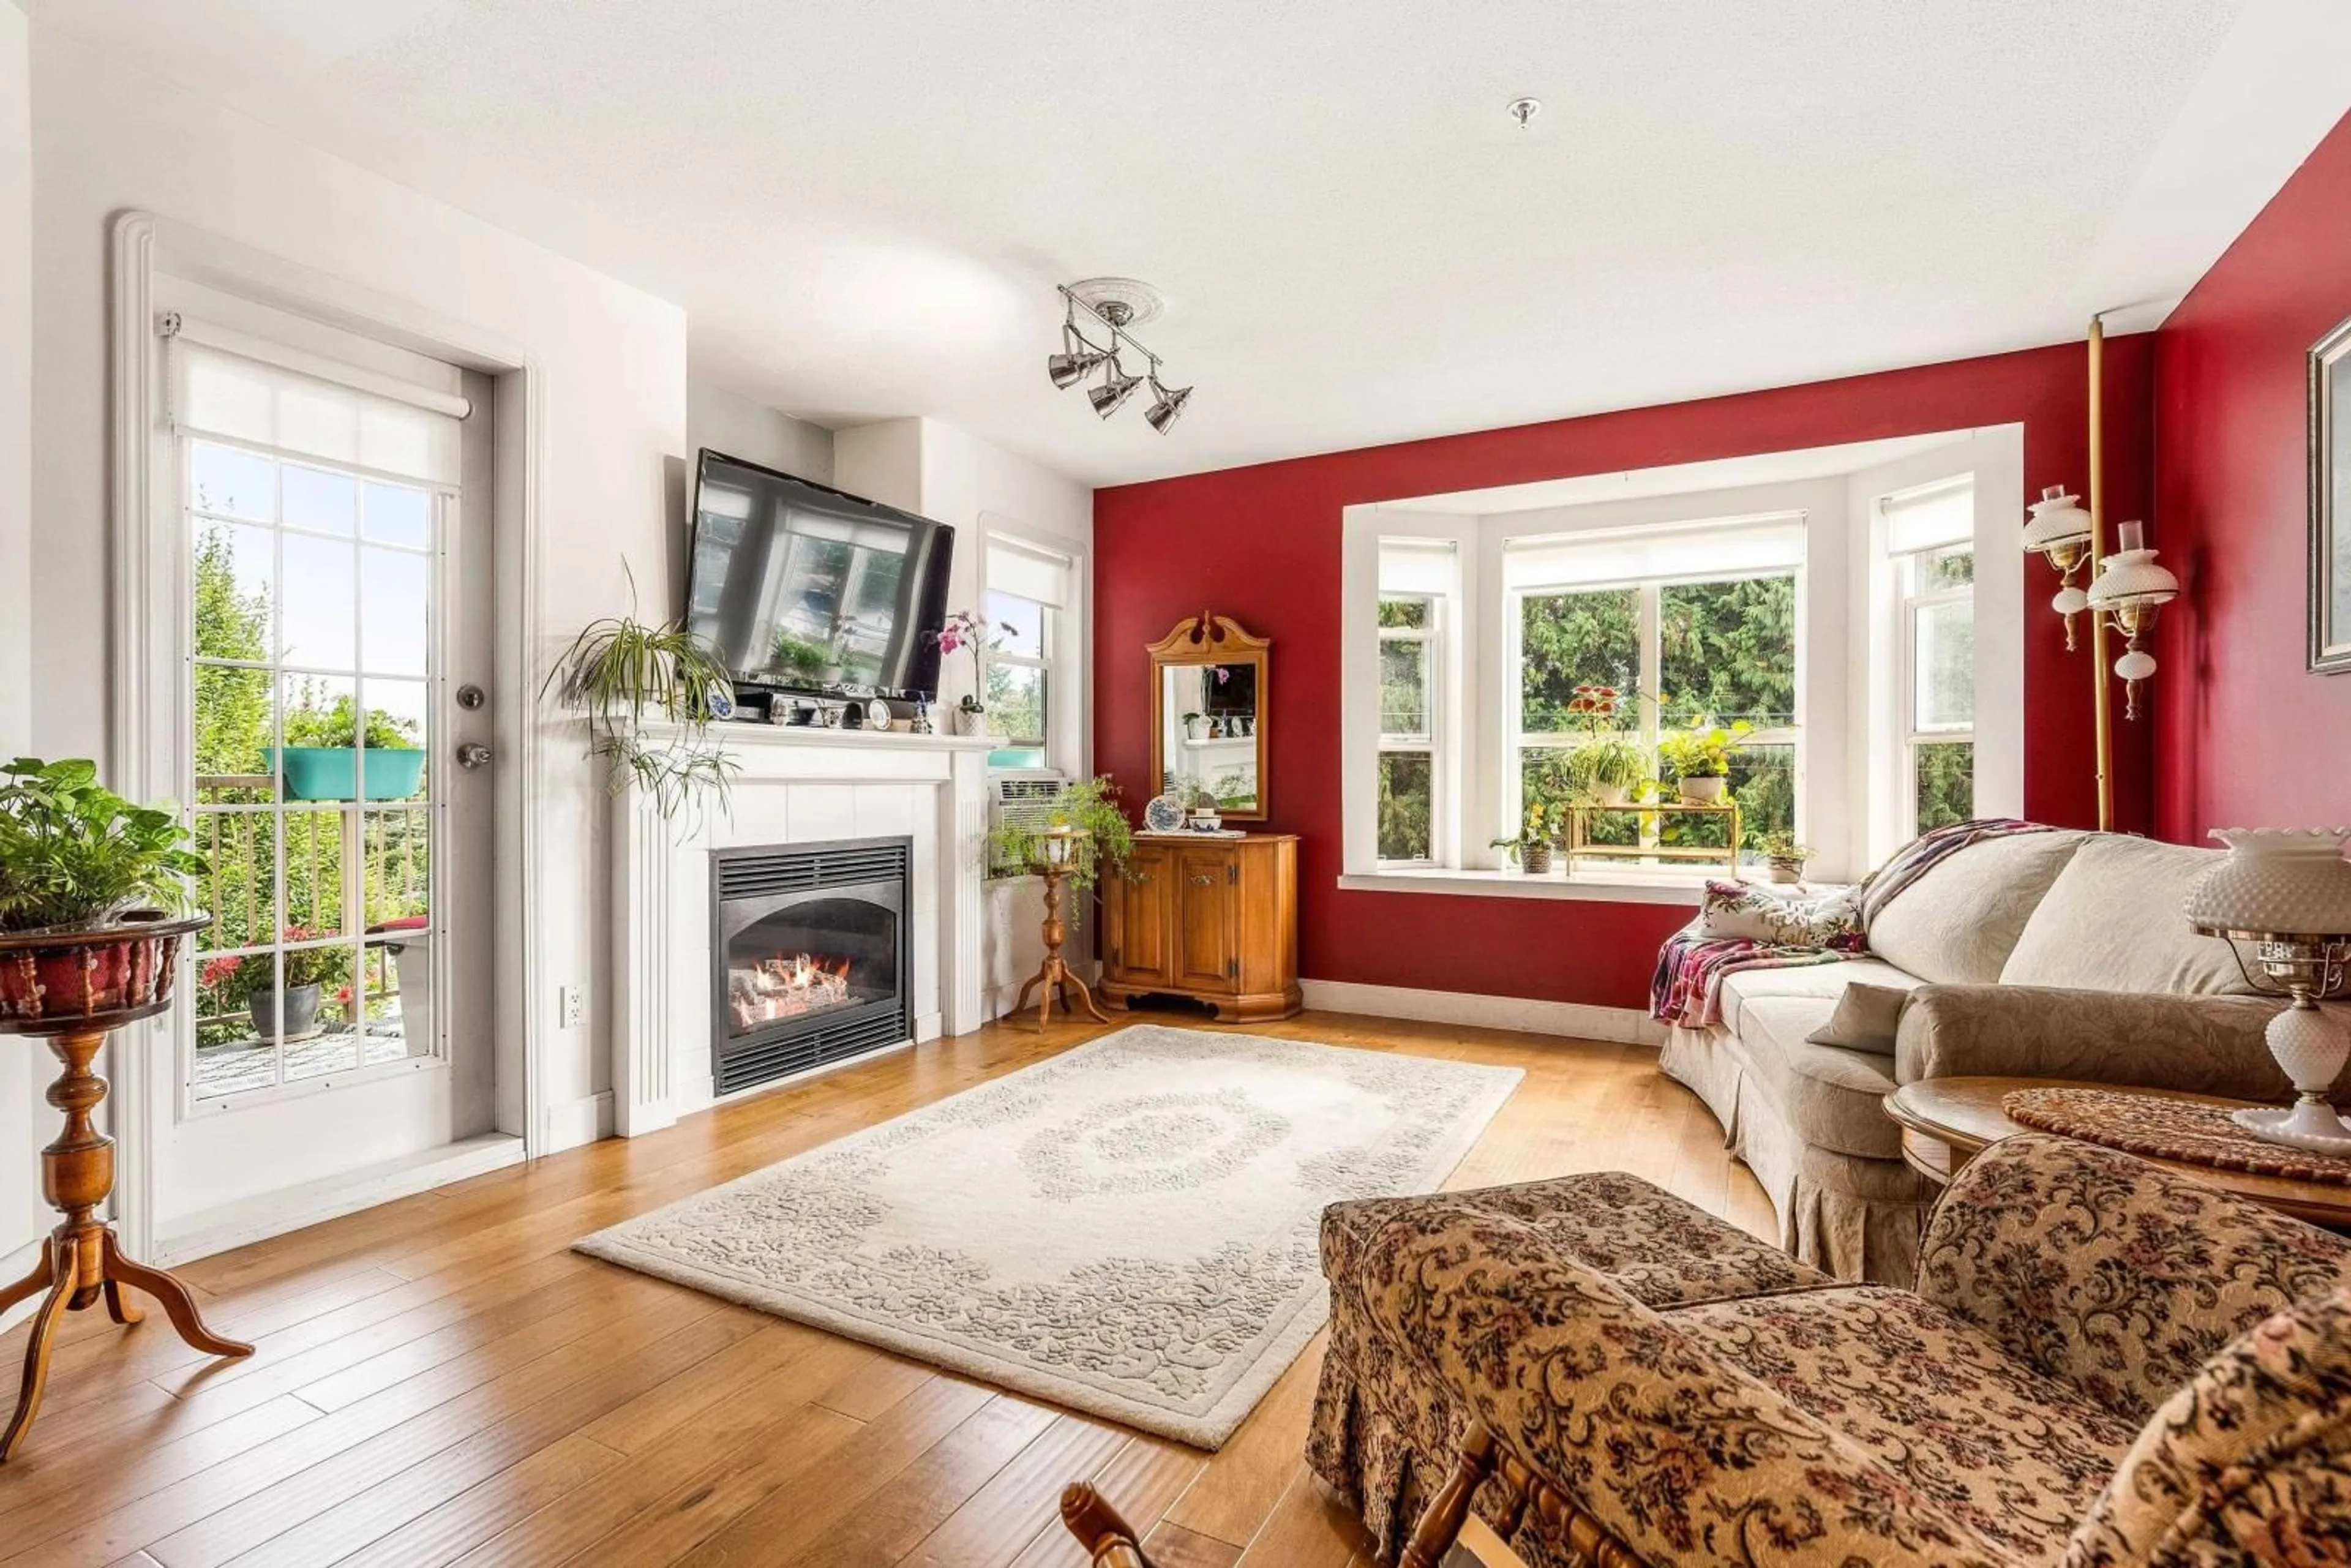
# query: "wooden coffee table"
1946, 1121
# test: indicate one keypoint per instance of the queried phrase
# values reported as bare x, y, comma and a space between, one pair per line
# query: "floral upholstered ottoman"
1385, 1432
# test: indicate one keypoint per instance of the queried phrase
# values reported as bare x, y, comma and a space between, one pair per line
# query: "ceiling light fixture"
1112, 305
1523, 110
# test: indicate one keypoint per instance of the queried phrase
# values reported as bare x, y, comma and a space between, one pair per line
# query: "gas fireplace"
809, 962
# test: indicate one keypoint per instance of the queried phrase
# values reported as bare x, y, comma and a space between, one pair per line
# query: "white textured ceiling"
864, 206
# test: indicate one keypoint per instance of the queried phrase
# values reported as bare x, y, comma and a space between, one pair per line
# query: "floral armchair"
2101, 1363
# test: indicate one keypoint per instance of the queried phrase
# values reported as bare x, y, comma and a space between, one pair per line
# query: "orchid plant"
969, 629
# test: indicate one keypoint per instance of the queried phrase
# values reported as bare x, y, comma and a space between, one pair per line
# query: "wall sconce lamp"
2058, 532
2128, 591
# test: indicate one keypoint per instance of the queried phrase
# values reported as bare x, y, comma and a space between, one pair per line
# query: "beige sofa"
2051, 955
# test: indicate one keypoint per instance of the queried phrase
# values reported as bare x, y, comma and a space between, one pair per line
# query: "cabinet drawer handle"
1202, 880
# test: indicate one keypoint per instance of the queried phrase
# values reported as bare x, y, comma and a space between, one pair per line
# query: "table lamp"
2281, 900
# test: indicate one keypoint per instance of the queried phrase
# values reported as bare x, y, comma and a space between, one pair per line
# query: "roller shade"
1424, 566
234, 387
1720, 548
1930, 519
1026, 572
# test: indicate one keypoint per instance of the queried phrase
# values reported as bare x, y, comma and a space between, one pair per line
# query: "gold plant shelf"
1579, 833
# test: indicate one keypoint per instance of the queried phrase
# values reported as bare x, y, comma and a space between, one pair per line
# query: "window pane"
1943, 773
1945, 661
235, 571
1407, 614
1543, 776
1016, 702
1018, 624
321, 601
396, 608
1763, 782
398, 515
224, 480
239, 885
1954, 566
316, 499
1403, 687
1569, 640
1405, 806
1728, 649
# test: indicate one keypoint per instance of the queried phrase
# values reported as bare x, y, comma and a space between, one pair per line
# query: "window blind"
235, 387
1930, 519
1026, 572
1416, 567
1722, 547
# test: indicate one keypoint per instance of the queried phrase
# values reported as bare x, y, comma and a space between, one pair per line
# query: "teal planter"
332, 773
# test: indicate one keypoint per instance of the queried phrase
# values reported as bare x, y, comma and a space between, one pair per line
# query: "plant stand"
1053, 974
82, 1262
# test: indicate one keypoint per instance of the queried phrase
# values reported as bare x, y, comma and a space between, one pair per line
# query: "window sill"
1597, 887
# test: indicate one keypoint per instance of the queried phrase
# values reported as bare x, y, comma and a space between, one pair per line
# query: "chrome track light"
1114, 304
1167, 406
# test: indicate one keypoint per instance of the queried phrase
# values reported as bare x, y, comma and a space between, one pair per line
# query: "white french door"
334, 589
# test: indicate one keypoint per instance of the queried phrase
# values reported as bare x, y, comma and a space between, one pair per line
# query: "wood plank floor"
440, 1381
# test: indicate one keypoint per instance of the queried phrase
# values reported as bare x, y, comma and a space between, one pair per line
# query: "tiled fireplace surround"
797, 786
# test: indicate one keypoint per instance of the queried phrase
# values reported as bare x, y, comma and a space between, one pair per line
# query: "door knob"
472, 753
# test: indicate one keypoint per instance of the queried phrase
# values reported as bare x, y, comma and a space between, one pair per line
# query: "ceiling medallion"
1110, 307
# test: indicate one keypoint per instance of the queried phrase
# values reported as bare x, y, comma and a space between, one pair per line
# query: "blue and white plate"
1164, 814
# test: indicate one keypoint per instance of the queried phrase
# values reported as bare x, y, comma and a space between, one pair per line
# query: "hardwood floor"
440, 1381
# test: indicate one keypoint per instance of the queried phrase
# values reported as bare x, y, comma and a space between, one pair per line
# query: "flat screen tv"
802, 587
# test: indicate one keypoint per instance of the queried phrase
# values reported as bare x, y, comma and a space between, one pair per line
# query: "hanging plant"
621, 673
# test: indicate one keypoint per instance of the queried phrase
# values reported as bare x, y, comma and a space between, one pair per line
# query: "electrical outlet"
571, 1006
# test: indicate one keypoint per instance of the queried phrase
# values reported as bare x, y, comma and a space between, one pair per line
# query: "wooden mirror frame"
1206, 639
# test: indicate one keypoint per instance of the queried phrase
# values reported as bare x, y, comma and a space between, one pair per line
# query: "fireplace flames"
785, 988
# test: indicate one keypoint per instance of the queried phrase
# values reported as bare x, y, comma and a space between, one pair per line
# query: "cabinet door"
1207, 959
1138, 903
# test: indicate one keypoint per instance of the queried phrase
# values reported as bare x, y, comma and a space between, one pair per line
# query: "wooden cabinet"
1213, 919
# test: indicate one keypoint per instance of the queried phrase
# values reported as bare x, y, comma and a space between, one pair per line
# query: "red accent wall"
1261, 544
2251, 738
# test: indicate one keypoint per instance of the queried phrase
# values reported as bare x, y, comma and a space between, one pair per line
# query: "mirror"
1208, 705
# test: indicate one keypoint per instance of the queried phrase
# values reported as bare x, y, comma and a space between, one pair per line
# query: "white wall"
741, 427
20, 1206
957, 478
609, 360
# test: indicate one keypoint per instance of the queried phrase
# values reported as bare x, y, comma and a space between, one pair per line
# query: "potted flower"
1094, 831
1783, 854
1531, 848
1698, 758
282, 1006
1195, 726
1605, 763
93, 895
321, 754
970, 629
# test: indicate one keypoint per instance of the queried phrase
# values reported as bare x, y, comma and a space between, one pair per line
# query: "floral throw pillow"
1750, 912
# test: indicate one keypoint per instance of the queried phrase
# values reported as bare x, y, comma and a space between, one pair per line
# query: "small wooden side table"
1947, 1122
72, 990
1055, 974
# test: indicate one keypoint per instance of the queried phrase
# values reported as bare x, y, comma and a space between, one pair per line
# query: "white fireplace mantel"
795, 786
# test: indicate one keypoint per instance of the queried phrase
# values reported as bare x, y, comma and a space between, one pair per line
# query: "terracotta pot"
1703, 791
66, 973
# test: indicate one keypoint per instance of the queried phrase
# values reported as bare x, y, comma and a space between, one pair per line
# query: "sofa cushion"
1822, 982
1958, 923
2012, 1453
1865, 1019
2112, 922
1829, 1096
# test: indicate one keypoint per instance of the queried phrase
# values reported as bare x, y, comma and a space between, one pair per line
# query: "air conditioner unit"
1025, 796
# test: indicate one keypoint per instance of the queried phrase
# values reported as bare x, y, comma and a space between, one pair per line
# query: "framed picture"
2330, 502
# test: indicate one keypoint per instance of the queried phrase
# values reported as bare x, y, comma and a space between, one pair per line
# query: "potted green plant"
91, 885
1698, 758
623, 675
284, 1005
1090, 805
1531, 849
321, 754
1783, 854
1606, 763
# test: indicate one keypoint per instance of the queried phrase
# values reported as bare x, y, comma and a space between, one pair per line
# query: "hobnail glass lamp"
2128, 591
2058, 532
2281, 900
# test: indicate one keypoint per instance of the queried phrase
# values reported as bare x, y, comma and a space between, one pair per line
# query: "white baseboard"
258, 1219
1580, 1021
582, 1121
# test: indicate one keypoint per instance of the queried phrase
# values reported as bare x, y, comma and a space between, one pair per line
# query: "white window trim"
1914, 732
1430, 740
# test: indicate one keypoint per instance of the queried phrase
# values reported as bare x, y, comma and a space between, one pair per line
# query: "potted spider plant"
94, 895
623, 675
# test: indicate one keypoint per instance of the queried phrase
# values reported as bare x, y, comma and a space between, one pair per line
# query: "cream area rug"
1128, 1230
